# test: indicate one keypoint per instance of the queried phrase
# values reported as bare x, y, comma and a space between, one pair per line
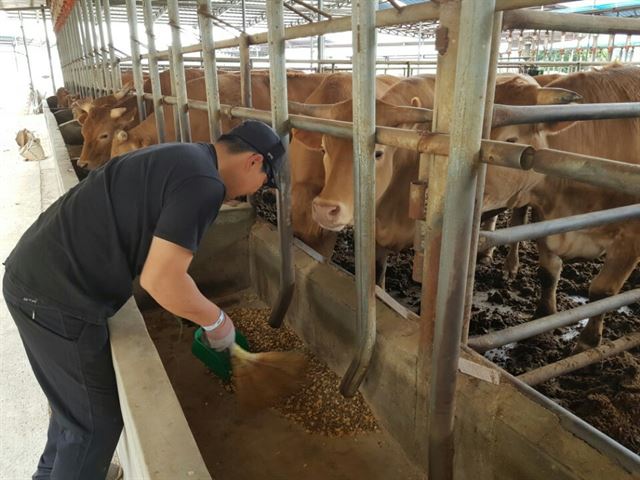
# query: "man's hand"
222, 336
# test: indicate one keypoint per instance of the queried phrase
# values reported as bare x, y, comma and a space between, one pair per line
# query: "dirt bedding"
606, 394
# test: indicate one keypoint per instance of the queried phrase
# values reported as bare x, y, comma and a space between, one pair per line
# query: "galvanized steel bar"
507, 154
536, 230
174, 110
619, 176
46, 37
476, 21
583, 359
385, 18
482, 343
154, 75
364, 128
515, 4
89, 52
115, 67
520, 114
26, 53
569, 22
210, 68
280, 114
104, 59
136, 64
496, 39
178, 73
79, 53
100, 73
245, 72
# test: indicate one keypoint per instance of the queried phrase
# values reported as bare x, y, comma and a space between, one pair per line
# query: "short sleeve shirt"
84, 251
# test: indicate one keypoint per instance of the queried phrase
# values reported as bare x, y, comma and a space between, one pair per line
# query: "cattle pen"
451, 411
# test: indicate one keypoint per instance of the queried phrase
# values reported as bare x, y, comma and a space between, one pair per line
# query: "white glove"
221, 334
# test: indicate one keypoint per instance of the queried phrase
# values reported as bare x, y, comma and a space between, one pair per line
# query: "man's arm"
164, 276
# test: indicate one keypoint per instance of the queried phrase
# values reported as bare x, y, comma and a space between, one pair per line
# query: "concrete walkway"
26, 189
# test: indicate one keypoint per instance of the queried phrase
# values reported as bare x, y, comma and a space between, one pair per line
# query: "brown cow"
307, 169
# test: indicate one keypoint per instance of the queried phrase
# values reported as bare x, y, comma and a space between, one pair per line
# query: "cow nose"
327, 214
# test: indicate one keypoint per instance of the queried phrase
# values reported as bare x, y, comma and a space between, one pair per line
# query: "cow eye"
512, 139
104, 136
379, 154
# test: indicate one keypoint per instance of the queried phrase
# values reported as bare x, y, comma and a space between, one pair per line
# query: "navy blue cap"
266, 142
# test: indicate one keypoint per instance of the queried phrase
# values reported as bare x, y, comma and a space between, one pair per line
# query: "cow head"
98, 129
124, 142
333, 208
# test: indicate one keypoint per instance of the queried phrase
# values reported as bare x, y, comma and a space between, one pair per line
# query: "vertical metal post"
174, 109
244, 16
115, 66
46, 37
364, 128
433, 169
154, 75
26, 52
245, 71
210, 68
79, 51
136, 64
99, 73
178, 71
93, 78
320, 38
280, 117
104, 59
64, 66
476, 20
482, 171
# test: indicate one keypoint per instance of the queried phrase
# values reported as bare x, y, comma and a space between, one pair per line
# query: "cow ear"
311, 140
556, 96
120, 94
117, 112
82, 116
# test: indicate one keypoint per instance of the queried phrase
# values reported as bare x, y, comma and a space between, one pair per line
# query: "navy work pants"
71, 360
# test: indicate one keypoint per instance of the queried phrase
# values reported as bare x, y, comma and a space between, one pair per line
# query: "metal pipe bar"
496, 39
519, 114
385, 18
91, 61
313, 9
245, 72
138, 79
280, 114
46, 37
507, 154
516, 4
611, 449
482, 343
154, 74
79, 53
26, 53
364, 128
476, 21
106, 66
297, 12
178, 73
619, 176
210, 69
172, 78
115, 68
575, 362
100, 82
569, 22
537, 230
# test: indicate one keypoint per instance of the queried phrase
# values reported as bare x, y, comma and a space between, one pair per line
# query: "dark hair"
236, 144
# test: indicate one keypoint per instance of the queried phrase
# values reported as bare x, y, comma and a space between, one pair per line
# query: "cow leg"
512, 262
381, 266
618, 265
548, 274
485, 257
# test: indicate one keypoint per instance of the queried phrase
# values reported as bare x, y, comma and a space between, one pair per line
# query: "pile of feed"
318, 406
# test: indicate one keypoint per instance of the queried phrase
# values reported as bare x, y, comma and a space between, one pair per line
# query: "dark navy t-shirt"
84, 251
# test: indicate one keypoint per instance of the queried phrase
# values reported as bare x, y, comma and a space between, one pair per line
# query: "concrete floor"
26, 189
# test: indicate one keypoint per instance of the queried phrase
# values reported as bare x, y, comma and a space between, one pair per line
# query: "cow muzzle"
329, 215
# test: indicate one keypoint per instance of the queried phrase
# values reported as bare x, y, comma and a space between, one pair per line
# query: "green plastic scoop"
218, 362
